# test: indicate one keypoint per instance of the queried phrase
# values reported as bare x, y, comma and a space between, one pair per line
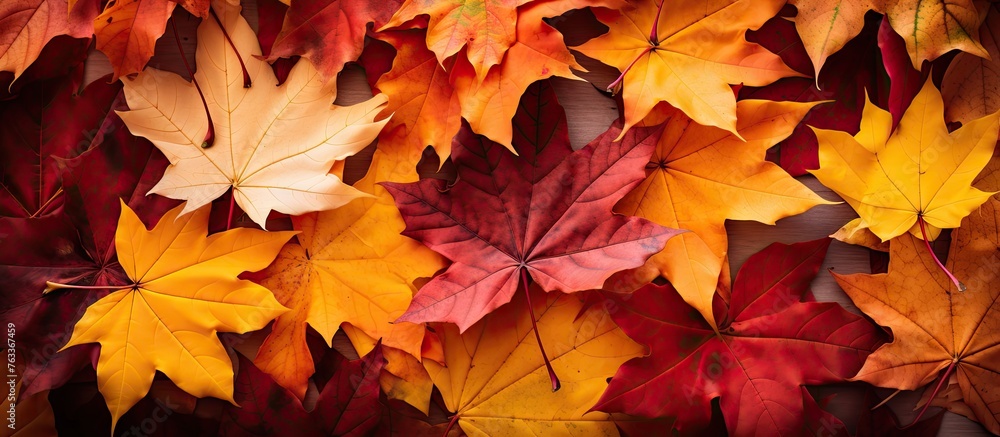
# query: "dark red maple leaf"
773, 339
330, 33
546, 213
270, 16
75, 246
904, 80
47, 120
348, 405
850, 72
874, 64
62, 56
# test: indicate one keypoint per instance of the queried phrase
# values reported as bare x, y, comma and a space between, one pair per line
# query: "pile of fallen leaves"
182, 256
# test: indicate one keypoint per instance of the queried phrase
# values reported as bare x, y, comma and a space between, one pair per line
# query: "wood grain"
589, 113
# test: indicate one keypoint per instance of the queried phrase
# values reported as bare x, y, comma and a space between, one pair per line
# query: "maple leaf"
700, 176
771, 317
37, 130
430, 99
969, 87
184, 290
76, 244
930, 28
905, 82
898, 180
687, 57
26, 26
421, 98
496, 385
351, 266
347, 406
62, 56
273, 145
841, 86
485, 28
935, 328
270, 19
330, 33
545, 212
127, 30
538, 53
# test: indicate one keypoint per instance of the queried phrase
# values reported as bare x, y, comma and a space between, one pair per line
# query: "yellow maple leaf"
917, 174
273, 145
700, 176
185, 291
351, 266
495, 381
687, 54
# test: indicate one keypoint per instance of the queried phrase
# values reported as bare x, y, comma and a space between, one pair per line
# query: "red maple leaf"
773, 339
864, 67
47, 120
330, 33
545, 213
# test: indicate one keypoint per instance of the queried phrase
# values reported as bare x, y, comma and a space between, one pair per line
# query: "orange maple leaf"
686, 55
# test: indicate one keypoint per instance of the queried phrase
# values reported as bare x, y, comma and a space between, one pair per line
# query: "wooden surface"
589, 113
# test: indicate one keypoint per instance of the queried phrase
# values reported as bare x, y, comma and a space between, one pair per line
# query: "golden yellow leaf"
495, 380
701, 176
892, 178
698, 50
185, 291
273, 145
351, 266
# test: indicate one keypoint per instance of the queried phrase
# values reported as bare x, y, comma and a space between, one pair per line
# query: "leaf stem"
923, 233
53, 286
246, 74
451, 423
531, 312
654, 33
617, 83
944, 377
654, 41
232, 204
210, 135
